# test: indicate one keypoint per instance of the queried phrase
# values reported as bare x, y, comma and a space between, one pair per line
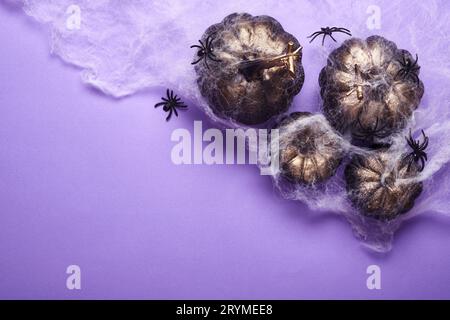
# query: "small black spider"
327, 31
418, 151
205, 51
367, 134
408, 69
171, 104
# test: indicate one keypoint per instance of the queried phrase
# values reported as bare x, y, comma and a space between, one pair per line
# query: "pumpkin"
254, 71
310, 151
374, 184
370, 88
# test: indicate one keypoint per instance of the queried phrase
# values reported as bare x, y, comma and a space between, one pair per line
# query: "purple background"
88, 180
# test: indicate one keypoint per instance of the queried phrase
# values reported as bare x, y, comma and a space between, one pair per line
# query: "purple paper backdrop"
88, 180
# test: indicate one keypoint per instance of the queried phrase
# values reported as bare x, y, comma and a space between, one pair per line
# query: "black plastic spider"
205, 51
418, 151
327, 31
367, 134
408, 69
171, 104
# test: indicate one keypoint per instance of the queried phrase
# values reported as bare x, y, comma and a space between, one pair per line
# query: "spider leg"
418, 144
196, 46
415, 78
159, 104
424, 144
211, 39
407, 139
334, 29
323, 38
404, 60
422, 164
168, 94
208, 40
164, 99
347, 33
175, 110
410, 136
415, 61
331, 36
197, 61
313, 38
181, 106
423, 135
314, 34
206, 61
416, 69
342, 30
410, 142
170, 115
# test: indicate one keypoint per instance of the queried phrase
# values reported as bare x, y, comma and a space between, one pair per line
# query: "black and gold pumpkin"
370, 87
251, 68
310, 151
378, 186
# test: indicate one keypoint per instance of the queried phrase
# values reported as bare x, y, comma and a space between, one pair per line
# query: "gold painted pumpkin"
374, 184
248, 68
310, 152
370, 87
